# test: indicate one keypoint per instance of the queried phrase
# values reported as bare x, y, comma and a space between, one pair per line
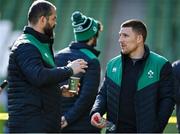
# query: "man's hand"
78, 66
95, 120
63, 122
65, 91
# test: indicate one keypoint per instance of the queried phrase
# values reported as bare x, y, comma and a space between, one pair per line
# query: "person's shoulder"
62, 51
89, 53
22, 43
176, 69
25, 49
176, 64
157, 56
26, 46
114, 59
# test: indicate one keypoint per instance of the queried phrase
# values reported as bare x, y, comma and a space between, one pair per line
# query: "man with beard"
76, 109
34, 93
137, 92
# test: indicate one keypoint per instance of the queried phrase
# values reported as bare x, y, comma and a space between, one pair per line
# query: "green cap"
84, 27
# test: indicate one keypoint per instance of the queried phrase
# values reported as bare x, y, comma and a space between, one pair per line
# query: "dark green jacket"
76, 109
153, 98
33, 94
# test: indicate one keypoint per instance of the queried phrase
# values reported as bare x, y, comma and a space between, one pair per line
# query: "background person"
76, 109
176, 70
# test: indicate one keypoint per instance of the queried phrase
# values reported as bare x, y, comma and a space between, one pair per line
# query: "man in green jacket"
137, 92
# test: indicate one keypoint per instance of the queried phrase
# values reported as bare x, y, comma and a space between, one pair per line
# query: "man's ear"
42, 20
139, 38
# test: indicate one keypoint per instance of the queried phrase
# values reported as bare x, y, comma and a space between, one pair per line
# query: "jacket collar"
77, 45
147, 52
41, 37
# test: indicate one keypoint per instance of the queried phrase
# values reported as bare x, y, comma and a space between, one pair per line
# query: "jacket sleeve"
88, 91
176, 74
32, 67
166, 101
100, 104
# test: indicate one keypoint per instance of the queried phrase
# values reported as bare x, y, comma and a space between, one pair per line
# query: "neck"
138, 54
91, 42
36, 28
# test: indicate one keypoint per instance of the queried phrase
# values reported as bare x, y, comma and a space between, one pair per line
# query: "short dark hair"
39, 8
137, 26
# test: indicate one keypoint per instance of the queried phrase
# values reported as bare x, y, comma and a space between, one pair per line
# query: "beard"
94, 44
49, 31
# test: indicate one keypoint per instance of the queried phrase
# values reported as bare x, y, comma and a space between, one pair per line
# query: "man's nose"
120, 39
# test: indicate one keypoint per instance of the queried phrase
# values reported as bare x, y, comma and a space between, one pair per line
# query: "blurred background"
162, 18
